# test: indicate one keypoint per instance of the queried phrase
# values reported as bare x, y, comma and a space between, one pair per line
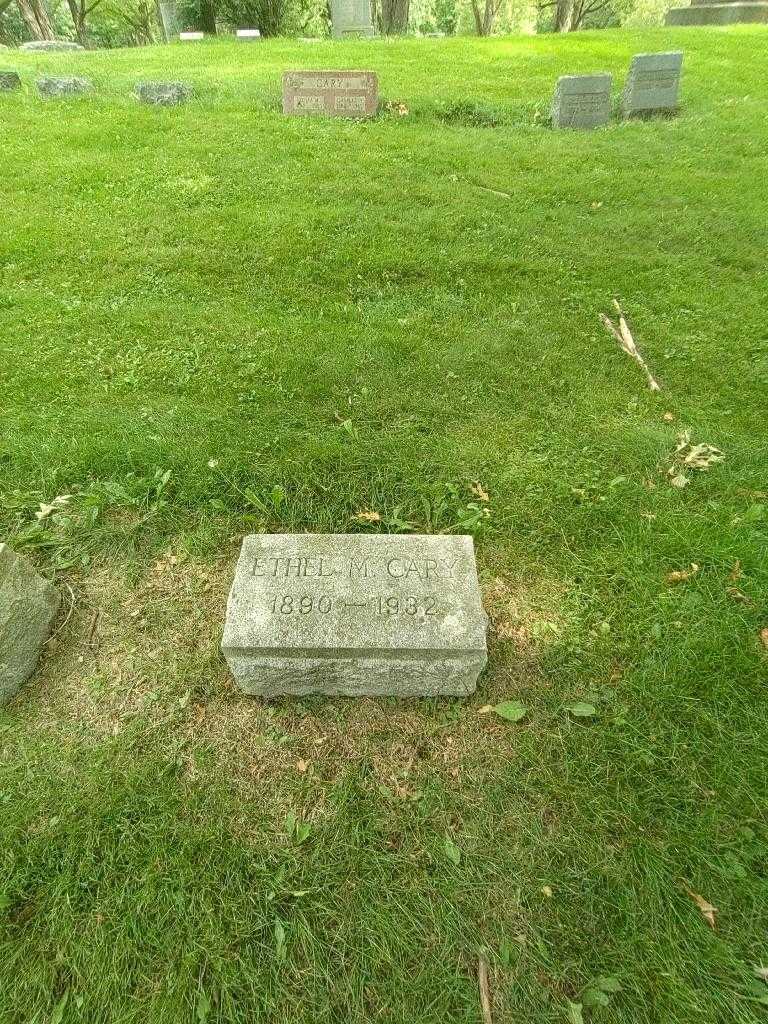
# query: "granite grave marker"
582, 101
653, 83
9, 80
351, 18
334, 93
70, 85
352, 614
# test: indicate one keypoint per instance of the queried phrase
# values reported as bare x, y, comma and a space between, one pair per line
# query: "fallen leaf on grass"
735, 573
761, 973
479, 491
707, 910
452, 852
367, 515
547, 890
737, 595
486, 709
302, 766
669, 417
681, 575
678, 479
580, 709
697, 456
511, 710
764, 637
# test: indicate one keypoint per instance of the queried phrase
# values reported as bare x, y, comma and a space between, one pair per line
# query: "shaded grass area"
341, 317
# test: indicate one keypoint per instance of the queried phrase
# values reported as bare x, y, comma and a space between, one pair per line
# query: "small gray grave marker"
351, 18
582, 101
51, 46
248, 35
335, 93
9, 80
191, 37
66, 86
162, 94
653, 83
356, 614
28, 607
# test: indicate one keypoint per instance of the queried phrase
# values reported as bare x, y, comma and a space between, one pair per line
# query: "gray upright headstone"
351, 18
66, 86
356, 614
28, 607
9, 80
582, 101
653, 83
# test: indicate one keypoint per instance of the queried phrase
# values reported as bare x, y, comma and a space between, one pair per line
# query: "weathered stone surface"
582, 101
67, 86
9, 80
51, 45
356, 614
706, 13
162, 94
248, 35
653, 83
28, 607
333, 93
351, 18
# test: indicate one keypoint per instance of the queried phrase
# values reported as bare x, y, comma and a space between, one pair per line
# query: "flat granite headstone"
9, 80
351, 18
653, 83
51, 45
334, 93
582, 101
248, 35
191, 37
727, 12
67, 86
162, 94
356, 614
28, 607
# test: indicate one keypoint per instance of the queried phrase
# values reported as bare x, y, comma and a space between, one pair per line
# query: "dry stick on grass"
485, 990
623, 335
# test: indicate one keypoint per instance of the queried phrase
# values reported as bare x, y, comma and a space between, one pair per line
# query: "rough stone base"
355, 676
9, 80
68, 86
51, 46
162, 94
718, 14
28, 607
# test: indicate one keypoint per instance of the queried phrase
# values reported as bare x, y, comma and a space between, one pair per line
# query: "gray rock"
356, 614
67, 86
9, 80
28, 607
653, 83
51, 46
162, 94
582, 101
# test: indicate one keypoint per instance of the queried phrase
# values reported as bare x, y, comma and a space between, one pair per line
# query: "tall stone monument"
351, 18
719, 12
350, 614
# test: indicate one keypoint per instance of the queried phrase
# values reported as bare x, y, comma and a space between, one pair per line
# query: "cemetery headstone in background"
28, 607
51, 45
719, 12
335, 93
191, 37
248, 35
653, 83
9, 80
162, 94
351, 18
582, 101
356, 614
66, 86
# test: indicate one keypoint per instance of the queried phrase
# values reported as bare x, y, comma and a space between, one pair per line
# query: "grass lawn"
216, 320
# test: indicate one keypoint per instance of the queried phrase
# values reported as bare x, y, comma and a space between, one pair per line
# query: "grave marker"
248, 34
162, 94
355, 614
51, 46
653, 83
69, 85
351, 18
191, 37
335, 93
9, 80
582, 101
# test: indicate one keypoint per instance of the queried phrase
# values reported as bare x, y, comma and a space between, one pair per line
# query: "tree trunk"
484, 18
564, 16
393, 17
208, 17
77, 10
37, 19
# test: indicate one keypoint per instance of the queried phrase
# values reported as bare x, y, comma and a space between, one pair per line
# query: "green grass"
344, 316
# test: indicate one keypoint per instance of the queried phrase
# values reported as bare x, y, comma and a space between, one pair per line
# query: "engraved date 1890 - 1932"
306, 604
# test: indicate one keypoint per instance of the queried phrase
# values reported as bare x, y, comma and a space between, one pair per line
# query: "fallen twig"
485, 990
67, 617
623, 335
